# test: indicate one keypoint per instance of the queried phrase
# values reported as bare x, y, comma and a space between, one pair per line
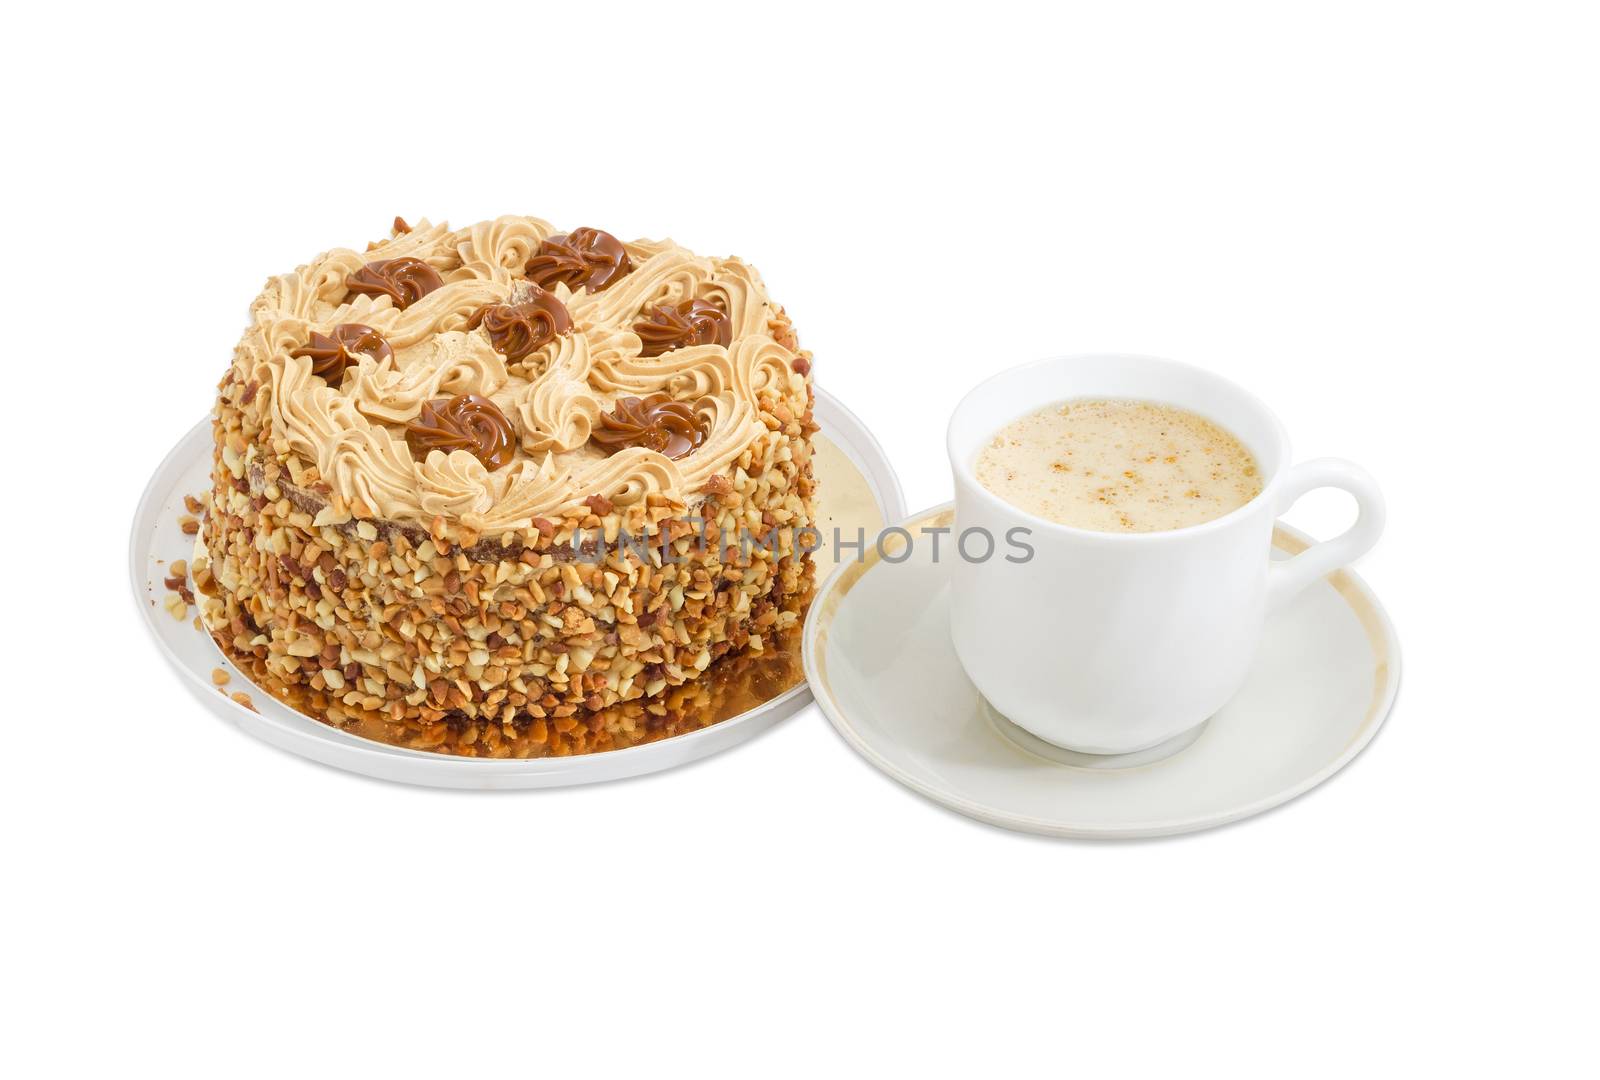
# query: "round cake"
505, 489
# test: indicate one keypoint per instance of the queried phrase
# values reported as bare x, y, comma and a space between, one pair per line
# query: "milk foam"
1119, 466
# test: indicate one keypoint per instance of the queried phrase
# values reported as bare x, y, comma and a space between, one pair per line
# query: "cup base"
1027, 740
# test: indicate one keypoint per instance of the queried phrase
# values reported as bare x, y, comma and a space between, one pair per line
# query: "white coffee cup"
1110, 643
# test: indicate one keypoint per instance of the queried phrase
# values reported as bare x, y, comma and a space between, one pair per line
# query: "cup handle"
1290, 576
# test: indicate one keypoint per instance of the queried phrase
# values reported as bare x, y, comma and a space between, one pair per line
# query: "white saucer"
878, 656
856, 488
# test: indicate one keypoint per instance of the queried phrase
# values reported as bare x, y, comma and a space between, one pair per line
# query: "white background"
1380, 217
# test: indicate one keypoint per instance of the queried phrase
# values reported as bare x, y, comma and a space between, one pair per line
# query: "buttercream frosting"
353, 430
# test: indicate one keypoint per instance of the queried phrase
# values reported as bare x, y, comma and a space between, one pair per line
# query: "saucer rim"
1346, 582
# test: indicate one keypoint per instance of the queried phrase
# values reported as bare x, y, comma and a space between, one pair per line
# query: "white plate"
857, 487
878, 656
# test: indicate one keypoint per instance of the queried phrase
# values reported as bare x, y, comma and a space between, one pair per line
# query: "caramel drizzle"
465, 422
657, 422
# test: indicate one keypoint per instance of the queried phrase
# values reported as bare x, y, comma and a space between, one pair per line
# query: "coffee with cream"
1119, 466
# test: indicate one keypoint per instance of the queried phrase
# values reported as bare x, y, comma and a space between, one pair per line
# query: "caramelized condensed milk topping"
331, 353
693, 322
516, 330
465, 422
1119, 466
672, 428
404, 280
592, 258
